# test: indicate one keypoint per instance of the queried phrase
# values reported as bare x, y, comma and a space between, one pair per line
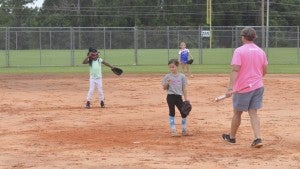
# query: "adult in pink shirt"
249, 65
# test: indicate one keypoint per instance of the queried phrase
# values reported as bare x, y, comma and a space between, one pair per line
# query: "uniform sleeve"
164, 80
236, 58
100, 60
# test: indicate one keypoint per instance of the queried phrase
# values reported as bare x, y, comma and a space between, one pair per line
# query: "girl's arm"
86, 60
265, 70
233, 76
107, 64
166, 85
185, 93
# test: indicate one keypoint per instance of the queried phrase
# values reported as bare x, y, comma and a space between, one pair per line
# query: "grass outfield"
201, 69
145, 56
282, 60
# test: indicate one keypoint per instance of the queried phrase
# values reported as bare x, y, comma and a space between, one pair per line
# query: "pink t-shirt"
251, 60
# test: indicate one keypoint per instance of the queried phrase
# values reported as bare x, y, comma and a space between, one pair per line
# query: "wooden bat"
222, 97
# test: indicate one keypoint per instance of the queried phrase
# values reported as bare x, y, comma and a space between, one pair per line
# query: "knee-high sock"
172, 123
183, 122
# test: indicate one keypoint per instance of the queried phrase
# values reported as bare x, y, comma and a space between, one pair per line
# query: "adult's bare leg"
235, 122
255, 123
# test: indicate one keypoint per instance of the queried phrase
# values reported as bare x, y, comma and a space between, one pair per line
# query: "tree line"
129, 13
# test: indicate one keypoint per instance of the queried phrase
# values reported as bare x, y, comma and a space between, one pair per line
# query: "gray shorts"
249, 100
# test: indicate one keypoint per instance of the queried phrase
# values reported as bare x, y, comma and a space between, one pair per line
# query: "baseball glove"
117, 71
186, 108
190, 61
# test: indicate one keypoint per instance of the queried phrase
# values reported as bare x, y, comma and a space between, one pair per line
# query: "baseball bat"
222, 97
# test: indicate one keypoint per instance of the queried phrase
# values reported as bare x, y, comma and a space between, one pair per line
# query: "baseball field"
44, 123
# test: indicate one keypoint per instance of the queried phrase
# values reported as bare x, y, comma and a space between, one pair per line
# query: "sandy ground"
43, 124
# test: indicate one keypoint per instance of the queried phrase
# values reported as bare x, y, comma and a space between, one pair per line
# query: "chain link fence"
56, 46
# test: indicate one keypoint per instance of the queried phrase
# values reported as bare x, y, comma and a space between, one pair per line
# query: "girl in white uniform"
95, 75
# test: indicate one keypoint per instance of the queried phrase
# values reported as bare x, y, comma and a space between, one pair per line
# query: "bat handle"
219, 98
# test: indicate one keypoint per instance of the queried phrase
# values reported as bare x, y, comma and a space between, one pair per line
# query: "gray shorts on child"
249, 100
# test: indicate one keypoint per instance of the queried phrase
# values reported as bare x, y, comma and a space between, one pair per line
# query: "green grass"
145, 56
160, 69
282, 60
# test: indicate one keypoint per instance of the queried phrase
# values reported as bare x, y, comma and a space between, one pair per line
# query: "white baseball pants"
98, 83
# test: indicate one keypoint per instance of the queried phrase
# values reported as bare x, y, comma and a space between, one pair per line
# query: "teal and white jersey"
95, 69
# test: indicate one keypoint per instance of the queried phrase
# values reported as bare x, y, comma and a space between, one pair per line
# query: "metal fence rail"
56, 46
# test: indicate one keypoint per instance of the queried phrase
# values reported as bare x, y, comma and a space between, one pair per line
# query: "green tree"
232, 13
285, 13
17, 12
116, 13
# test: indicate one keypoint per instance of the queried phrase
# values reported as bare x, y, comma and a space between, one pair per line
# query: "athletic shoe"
102, 104
226, 137
174, 134
257, 143
88, 105
185, 133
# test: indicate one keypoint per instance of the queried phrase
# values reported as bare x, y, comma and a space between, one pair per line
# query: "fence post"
104, 40
16, 40
7, 47
298, 46
200, 45
110, 39
135, 37
276, 39
50, 39
236, 37
263, 37
40, 44
79, 38
178, 40
72, 46
267, 40
145, 39
168, 43
232, 40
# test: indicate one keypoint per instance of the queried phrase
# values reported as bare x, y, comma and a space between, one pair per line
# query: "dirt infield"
43, 124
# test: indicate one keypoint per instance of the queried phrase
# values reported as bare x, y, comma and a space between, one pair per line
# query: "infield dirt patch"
43, 124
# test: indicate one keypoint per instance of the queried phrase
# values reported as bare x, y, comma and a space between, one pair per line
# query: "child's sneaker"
185, 133
102, 104
257, 143
226, 137
174, 134
88, 105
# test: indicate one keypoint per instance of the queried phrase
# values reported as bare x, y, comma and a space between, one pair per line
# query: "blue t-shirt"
184, 55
